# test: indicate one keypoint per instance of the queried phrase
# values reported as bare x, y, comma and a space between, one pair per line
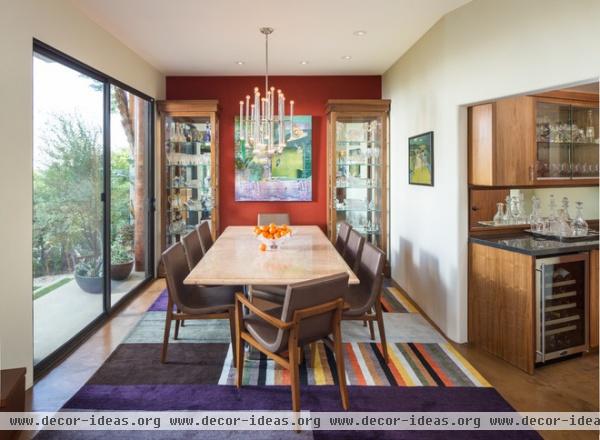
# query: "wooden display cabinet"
541, 140
189, 152
357, 167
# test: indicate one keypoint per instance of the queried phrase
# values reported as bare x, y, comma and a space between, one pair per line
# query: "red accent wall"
310, 94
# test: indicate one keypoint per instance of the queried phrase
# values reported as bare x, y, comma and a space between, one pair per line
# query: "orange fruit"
262, 247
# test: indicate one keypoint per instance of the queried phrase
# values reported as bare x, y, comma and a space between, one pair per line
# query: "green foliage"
91, 268
119, 253
67, 210
67, 214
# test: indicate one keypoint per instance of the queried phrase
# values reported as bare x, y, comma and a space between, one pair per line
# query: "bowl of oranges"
272, 236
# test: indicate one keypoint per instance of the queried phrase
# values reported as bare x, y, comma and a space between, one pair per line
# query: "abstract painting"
283, 177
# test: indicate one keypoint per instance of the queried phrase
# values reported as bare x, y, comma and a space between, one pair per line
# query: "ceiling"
208, 37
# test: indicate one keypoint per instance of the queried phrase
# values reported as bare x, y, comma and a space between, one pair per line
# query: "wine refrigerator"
562, 302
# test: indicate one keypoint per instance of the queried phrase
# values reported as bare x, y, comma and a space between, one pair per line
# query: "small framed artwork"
420, 159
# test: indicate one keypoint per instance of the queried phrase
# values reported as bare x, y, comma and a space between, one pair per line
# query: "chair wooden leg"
233, 335
294, 373
169, 316
364, 322
239, 345
339, 361
371, 329
379, 315
177, 324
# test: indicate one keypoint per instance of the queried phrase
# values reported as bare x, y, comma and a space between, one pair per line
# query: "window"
92, 139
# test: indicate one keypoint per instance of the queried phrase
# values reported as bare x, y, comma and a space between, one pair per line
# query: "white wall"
61, 25
484, 50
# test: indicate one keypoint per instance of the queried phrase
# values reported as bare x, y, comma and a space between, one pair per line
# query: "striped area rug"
393, 300
411, 364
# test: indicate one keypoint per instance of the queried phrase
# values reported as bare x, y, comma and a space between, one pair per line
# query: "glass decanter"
516, 211
521, 208
536, 221
563, 228
507, 217
551, 224
499, 217
565, 207
579, 226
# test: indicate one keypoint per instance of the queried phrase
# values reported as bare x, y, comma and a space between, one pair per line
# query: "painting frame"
425, 174
287, 176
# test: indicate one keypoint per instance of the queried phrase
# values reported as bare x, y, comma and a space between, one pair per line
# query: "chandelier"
262, 122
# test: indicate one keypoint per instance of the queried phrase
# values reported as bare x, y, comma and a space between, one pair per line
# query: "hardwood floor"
571, 385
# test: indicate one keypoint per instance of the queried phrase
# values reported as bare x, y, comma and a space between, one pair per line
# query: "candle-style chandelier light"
262, 122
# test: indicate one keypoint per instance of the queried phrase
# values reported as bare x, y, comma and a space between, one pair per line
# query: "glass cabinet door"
563, 306
188, 174
359, 176
553, 138
567, 141
585, 142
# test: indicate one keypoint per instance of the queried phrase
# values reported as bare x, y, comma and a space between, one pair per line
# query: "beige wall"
484, 50
61, 25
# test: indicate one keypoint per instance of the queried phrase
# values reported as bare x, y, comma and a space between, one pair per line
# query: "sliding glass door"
129, 183
92, 143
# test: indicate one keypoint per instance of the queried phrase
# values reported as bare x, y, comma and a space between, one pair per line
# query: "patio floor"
63, 312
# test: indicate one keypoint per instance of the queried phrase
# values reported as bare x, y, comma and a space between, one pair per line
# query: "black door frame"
43, 366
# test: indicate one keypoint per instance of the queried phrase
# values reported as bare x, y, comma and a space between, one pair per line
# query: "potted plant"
121, 261
88, 275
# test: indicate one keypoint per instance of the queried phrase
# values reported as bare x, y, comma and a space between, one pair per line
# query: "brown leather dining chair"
193, 248
193, 302
354, 249
206, 240
342, 237
270, 293
311, 311
364, 297
282, 218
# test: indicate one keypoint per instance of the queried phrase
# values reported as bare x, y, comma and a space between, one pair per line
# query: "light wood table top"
234, 259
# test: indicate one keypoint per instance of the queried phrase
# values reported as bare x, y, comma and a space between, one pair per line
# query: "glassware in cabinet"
566, 141
357, 152
189, 169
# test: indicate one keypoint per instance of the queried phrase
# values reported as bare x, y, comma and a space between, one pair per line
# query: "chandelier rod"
266, 63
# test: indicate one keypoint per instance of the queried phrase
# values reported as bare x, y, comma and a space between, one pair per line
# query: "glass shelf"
353, 143
357, 187
367, 231
341, 164
199, 188
357, 210
188, 165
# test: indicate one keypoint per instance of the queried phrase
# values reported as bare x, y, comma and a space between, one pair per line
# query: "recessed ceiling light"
239, 63
360, 33
304, 62
347, 57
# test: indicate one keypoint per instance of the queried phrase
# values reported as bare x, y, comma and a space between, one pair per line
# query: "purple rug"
134, 379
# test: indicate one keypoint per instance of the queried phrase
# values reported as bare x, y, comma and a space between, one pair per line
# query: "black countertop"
529, 245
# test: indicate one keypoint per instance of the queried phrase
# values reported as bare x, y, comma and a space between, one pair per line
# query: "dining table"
235, 258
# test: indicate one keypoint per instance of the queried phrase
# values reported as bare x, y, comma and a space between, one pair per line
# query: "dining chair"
193, 302
193, 248
206, 240
342, 237
265, 219
364, 297
353, 249
311, 311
